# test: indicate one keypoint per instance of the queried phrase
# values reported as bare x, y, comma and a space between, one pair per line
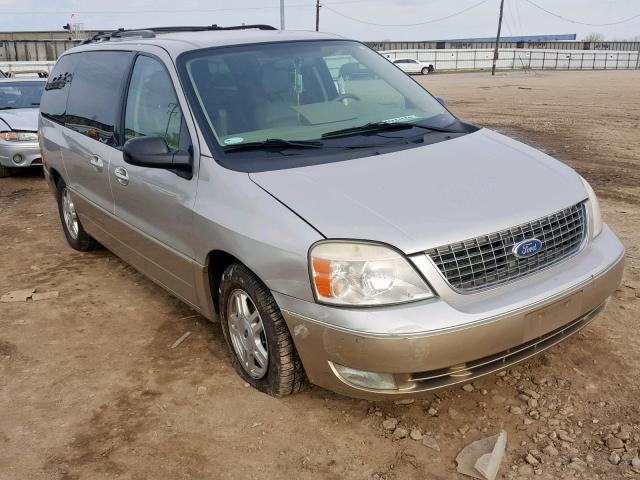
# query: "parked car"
27, 73
411, 65
19, 103
375, 245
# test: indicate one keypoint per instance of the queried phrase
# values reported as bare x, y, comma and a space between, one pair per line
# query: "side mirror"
441, 101
153, 152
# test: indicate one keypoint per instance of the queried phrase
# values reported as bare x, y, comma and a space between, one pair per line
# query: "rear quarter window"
96, 93
53, 103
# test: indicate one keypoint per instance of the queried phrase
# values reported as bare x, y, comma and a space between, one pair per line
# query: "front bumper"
28, 152
435, 344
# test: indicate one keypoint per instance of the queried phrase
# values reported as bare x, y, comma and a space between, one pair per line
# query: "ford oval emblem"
527, 248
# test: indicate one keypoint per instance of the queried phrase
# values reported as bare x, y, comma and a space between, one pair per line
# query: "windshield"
307, 90
20, 94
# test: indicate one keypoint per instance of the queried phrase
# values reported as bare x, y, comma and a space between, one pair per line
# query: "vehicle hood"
19, 119
428, 196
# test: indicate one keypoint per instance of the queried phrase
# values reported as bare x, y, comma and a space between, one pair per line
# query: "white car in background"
411, 65
19, 109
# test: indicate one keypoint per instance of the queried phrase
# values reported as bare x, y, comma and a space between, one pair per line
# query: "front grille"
487, 260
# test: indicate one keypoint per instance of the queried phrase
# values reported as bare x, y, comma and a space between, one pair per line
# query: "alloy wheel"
247, 334
69, 213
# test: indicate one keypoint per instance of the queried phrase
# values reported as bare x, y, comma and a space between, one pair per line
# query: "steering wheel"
345, 96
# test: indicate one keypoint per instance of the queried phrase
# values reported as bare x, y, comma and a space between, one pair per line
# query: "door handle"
121, 175
96, 162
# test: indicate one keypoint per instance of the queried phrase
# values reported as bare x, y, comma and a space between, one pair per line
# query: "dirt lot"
90, 388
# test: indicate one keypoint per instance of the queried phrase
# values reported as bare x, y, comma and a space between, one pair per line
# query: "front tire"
261, 347
425, 71
76, 236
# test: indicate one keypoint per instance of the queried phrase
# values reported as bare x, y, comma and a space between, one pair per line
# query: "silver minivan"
345, 228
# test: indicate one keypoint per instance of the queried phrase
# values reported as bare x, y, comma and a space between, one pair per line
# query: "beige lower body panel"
431, 356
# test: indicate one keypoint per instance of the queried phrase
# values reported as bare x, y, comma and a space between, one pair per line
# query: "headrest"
277, 80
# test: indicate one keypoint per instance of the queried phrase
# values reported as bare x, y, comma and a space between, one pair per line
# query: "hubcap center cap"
247, 333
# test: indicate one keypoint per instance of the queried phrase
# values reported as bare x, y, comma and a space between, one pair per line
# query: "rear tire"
246, 306
77, 237
5, 172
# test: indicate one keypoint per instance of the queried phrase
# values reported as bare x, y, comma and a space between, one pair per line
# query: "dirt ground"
90, 387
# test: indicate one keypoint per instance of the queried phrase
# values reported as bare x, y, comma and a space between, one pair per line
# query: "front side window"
152, 108
96, 90
302, 91
20, 95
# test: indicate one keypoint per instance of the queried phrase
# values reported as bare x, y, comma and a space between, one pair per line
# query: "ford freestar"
340, 222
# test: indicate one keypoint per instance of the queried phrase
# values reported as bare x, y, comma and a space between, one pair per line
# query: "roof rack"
105, 36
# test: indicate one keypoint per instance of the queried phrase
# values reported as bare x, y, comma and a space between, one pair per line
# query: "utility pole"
281, 14
495, 51
318, 15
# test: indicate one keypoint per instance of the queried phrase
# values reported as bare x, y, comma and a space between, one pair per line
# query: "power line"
581, 23
507, 26
518, 17
198, 10
509, 20
433, 20
129, 12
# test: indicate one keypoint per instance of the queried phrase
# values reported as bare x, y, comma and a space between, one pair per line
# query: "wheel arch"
217, 261
55, 175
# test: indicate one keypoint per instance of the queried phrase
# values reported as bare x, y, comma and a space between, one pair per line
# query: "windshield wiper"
277, 143
384, 127
7, 108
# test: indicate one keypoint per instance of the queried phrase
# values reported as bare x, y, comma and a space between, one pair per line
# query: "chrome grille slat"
487, 260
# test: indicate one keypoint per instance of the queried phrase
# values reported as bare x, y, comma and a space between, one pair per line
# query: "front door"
412, 66
401, 64
153, 205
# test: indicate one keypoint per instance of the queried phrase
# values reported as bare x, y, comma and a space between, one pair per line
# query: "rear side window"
95, 95
152, 107
53, 103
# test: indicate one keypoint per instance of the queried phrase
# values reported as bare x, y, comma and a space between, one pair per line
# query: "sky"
360, 19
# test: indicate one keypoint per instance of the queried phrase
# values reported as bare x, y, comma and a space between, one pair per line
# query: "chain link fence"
521, 59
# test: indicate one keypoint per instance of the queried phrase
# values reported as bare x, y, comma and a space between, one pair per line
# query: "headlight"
595, 208
363, 274
18, 136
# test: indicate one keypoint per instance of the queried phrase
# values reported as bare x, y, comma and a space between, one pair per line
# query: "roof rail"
151, 32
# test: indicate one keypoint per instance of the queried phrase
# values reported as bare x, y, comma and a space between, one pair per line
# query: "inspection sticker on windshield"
400, 119
233, 140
